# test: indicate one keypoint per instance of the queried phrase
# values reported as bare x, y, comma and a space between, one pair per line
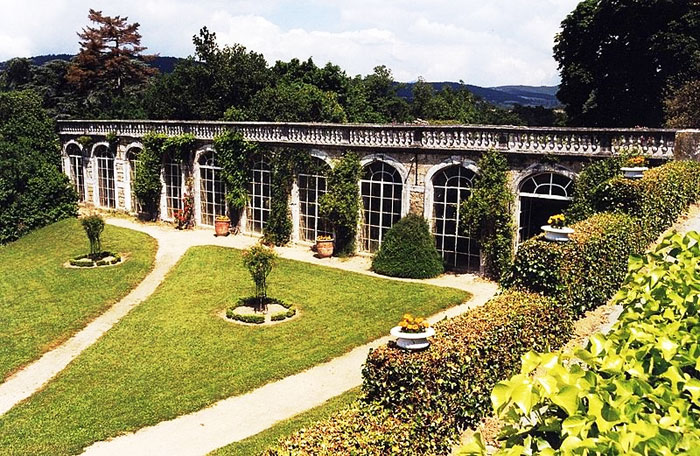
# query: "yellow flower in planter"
557, 221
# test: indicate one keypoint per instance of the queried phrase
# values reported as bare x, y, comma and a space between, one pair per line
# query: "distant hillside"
164, 64
504, 96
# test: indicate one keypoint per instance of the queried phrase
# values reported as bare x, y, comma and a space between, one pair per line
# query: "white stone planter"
412, 341
635, 172
556, 234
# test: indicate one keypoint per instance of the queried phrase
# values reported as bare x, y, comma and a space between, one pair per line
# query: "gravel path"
238, 417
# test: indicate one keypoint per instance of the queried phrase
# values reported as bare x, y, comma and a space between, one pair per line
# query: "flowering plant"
557, 221
411, 324
222, 218
637, 160
324, 238
185, 216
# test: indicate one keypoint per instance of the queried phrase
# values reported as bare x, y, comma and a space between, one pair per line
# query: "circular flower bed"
93, 261
249, 310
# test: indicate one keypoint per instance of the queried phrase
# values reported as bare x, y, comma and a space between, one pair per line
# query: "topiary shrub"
585, 272
591, 177
408, 250
93, 226
417, 403
259, 260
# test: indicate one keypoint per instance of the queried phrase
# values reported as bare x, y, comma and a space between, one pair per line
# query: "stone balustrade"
657, 143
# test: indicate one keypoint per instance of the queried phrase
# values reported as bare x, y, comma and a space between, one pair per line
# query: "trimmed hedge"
408, 250
585, 272
657, 199
417, 403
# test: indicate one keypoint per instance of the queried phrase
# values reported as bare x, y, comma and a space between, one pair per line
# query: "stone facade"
414, 154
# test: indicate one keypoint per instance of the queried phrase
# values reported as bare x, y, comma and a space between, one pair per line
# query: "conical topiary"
408, 250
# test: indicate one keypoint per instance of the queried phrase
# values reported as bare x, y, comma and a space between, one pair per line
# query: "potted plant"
556, 230
412, 333
324, 246
635, 167
222, 225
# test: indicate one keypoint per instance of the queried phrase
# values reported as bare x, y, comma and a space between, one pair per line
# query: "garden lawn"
42, 303
173, 354
258, 443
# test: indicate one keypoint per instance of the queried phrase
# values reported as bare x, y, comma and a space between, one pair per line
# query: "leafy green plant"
593, 175
234, 154
635, 391
33, 190
340, 205
487, 214
408, 250
179, 147
147, 183
93, 226
259, 260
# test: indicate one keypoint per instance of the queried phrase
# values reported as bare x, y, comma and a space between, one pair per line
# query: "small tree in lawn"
259, 260
93, 226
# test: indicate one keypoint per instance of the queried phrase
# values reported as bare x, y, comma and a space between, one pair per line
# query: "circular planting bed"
250, 311
95, 261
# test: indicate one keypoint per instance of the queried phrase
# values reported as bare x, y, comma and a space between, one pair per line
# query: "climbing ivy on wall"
487, 214
341, 204
234, 155
179, 147
147, 184
285, 164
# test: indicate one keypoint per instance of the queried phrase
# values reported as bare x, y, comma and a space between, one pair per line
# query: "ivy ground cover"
42, 303
174, 354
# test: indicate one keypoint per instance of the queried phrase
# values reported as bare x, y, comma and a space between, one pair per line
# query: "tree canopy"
620, 58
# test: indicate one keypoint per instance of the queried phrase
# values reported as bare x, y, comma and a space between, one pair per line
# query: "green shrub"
340, 205
147, 184
33, 190
591, 177
417, 403
635, 391
246, 318
408, 250
487, 214
93, 226
585, 272
234, 154
657, 199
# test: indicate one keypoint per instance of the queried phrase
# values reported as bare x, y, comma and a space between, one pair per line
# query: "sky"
482, 42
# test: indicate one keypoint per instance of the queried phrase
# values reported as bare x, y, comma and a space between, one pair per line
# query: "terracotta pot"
324, 248
222, 227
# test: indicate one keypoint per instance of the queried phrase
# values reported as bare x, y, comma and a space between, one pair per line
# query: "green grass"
256, 444
42, 303
173, 354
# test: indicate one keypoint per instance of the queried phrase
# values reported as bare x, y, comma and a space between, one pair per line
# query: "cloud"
486, 43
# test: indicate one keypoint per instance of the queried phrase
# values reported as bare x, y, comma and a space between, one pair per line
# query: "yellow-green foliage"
635, 391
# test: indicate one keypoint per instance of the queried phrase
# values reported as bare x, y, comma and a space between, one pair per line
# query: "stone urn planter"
557, 234
412, 340
324, 247
634, 172
222, 226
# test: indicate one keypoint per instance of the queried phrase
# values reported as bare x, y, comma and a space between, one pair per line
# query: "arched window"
312, 184
212, 190
541, 196
451, 186
172, 174
105, 177
77, 173
381, 188
132, 156
258, 208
